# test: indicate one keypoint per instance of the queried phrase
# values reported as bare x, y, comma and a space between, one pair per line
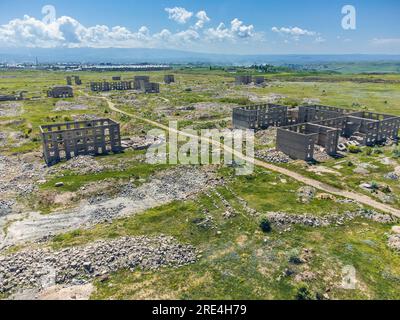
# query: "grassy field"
238, 260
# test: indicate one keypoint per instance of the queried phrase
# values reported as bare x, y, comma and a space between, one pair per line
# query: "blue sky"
233, 26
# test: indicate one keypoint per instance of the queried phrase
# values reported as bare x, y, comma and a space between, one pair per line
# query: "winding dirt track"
308, 181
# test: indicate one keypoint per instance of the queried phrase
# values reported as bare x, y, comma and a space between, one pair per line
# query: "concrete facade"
12, 97
67, 140
111, 86
169, 78
60, 92
300, 129
243, 80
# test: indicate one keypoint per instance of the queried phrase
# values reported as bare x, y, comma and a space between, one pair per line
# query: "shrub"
350, 164
396, 153
368, 151
378, 151
354, 149
304, 294
265, 225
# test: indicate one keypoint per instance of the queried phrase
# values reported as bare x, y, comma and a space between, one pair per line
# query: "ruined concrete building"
143, 84
302, 128
116, 78
169, 78
77, 80
111, 86
12, 97
67, 140
60, 92
258, 80
151, 87
243, 80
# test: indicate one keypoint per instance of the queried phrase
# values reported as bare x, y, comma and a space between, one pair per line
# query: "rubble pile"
6, 207
267, 137
306, 194
18, 175
10, 109
83, 165
272, 156
141, 143
77, 265
392, 176
284, 220
69, 106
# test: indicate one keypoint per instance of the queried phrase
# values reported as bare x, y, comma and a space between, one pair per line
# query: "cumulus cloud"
179, 14
296, 31
237, 30
68, 32
202, 19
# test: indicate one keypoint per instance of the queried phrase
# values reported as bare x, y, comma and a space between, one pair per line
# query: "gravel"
77, 265
272, 156
392, 176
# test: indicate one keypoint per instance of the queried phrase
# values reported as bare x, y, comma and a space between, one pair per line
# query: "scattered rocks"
141, 143
84, 165
306, 194
394, 242
10, 109
59, 184
272, 156
6, 207
44, 268
69, 106
396, 229
392, 176
285, 220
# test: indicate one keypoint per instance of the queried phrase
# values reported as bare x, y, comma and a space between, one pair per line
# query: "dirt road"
308, 181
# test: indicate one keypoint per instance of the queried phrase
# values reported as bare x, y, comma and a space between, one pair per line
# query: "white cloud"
238, 30
385, 41
296, 31
320, 39
179, 14
202, 19
70, 33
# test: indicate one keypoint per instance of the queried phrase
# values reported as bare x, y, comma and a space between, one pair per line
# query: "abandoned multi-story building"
151, 87
12, 97
111, 86
67, 140
169, 78
139, 82
243, 80
60, 92
78, 80
301, 129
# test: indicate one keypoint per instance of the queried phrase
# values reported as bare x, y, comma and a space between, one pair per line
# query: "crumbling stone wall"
71, 139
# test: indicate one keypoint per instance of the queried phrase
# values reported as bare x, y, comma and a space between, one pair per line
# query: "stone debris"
141, 143
78, 265
306, 194
392, 176
69, 106
19, 175
272, 156
180, 183
6, 207
10, 109
84, 165
394, 242
285, 220
267, 137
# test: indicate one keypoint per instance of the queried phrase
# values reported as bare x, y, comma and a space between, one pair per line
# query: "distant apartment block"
67, 140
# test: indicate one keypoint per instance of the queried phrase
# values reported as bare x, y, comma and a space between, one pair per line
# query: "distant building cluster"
110, 67
300, 129
246, 79
141, 83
